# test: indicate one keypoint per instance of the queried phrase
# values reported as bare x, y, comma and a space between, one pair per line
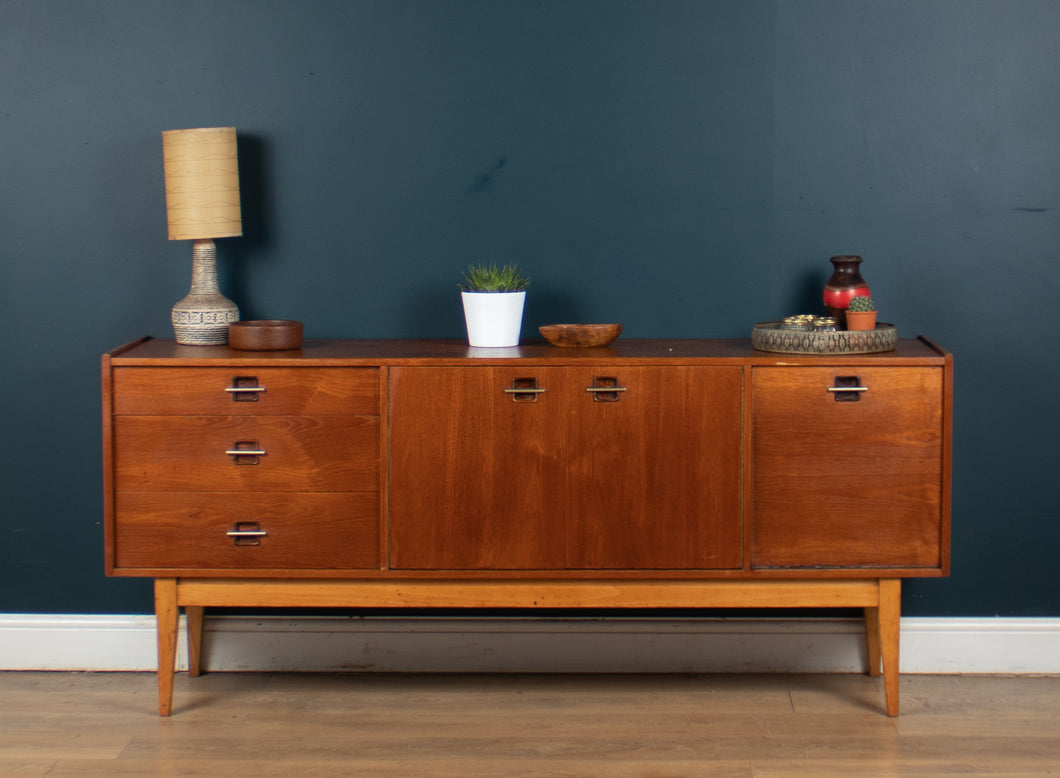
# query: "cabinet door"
476, 468
655, 468
847, 467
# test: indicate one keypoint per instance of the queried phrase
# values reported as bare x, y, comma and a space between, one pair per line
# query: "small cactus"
862, 303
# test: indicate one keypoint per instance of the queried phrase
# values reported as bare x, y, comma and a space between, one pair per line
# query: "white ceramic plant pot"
493, 319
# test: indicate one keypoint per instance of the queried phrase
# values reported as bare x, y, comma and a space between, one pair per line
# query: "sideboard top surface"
150, 351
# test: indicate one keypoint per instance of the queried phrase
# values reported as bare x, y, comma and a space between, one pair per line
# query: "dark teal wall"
686, 167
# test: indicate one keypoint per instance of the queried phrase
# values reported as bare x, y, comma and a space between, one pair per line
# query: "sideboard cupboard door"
654, 479
477, 468
847, 467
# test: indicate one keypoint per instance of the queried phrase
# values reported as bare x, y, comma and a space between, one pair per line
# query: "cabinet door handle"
524, 390
240, 389
848, 388
246, 452
247, 533
606, 389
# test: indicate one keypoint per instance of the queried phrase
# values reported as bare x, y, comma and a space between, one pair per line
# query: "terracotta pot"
861, 320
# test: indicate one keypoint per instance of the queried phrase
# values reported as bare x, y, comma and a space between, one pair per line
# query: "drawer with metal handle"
242, 453
245, 390
195, 530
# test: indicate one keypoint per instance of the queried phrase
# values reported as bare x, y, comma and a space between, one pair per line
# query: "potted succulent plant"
861, 314
493, 299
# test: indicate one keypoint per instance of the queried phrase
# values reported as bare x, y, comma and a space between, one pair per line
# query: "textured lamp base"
203, 316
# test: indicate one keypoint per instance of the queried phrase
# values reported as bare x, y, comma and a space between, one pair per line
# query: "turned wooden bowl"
265, 335
580, 335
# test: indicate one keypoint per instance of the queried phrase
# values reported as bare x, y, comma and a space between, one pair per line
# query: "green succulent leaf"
491, 278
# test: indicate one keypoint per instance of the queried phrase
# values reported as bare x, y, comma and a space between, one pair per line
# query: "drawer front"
276, 531
245, 391
282, 453
847, 467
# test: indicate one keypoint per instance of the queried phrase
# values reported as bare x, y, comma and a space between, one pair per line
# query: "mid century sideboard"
424, 473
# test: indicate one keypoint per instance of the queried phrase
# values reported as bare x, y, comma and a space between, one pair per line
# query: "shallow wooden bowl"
265, 335
580, 335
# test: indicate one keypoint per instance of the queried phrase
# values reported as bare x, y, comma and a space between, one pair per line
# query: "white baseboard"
327, 644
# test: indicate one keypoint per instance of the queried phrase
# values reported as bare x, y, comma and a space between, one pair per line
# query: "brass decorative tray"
768, 336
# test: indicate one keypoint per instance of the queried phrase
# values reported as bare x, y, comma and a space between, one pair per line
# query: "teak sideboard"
424, 473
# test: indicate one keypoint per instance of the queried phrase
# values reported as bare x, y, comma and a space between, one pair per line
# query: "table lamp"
202, 203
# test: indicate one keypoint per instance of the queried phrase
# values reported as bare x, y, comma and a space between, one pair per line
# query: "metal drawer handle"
536, 390
246, 452
245, 389
247, 533
847, 388
607, 389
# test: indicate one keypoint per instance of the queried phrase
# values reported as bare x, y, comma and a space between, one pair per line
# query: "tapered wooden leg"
167, 617
194, 614
872, 639
890, 615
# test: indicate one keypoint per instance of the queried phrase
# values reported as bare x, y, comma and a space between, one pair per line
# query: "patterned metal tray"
768, 336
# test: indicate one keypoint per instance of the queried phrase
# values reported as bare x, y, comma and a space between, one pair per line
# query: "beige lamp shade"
202, 183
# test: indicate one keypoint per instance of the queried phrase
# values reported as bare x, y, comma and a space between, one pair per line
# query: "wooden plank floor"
235, 724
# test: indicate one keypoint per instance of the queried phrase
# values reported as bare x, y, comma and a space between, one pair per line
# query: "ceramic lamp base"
203, 316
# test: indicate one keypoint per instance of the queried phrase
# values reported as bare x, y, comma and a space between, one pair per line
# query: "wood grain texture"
740, 726
649, 479
315, 530
476, 476
847, 483
285, 392
654, 476
152, 352
168, 615
303, 453
452, 491
270, 592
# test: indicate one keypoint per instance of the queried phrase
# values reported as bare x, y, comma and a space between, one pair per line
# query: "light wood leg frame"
889, 617
194, 615
880, 599
167, 615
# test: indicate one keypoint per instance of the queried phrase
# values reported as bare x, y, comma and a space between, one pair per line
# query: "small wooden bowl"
580, 335
266, 335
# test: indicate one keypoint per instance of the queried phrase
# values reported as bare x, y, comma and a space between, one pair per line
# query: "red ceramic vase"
843, 285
